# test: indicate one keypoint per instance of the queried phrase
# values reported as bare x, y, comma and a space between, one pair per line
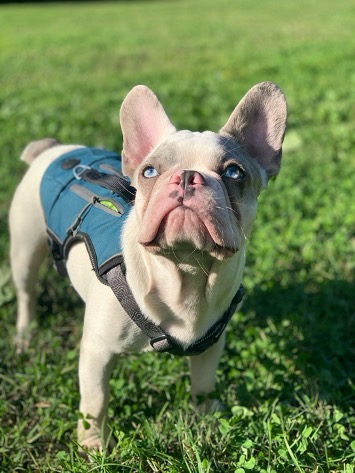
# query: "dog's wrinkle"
206, 216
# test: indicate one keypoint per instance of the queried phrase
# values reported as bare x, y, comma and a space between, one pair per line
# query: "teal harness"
86, 198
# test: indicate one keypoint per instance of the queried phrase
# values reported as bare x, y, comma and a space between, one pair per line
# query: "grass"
287, 374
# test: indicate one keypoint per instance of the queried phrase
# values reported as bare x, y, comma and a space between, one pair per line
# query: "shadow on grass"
312, 331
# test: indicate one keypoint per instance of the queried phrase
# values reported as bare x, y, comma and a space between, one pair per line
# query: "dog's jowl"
154, 241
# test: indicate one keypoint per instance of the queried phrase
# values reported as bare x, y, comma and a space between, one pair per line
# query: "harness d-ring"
79, 169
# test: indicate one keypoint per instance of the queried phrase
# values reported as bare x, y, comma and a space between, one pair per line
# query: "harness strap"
159, 339
112, 182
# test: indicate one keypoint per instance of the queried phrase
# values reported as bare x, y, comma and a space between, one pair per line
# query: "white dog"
174, 277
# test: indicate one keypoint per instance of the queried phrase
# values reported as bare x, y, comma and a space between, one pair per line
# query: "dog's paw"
93, 437
210, 406
21, 342
90, 446
89, 436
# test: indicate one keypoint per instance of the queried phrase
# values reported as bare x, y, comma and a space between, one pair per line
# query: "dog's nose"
186, 178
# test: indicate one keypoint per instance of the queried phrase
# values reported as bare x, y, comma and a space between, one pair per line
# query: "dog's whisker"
204, 270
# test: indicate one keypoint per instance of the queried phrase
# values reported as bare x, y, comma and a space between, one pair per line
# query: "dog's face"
197, 192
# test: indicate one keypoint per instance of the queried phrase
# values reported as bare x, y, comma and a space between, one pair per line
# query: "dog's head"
198, 191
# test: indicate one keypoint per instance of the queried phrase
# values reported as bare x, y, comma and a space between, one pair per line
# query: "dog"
182, 246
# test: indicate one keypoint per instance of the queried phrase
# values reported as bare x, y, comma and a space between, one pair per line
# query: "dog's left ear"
258, 122
144, 124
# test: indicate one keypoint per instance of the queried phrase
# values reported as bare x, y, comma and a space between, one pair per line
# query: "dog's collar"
160, 340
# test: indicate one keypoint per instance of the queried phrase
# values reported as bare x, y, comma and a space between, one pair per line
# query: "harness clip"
79, 170
160, 343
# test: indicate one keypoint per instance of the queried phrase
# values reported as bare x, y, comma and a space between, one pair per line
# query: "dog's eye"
234, 172
149, 172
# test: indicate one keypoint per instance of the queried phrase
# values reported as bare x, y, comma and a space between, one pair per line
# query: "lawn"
288, 371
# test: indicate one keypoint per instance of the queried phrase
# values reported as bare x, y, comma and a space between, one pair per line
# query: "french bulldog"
184, 240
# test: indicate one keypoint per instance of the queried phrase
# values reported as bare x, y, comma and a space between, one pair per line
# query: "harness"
85, 197
81, 202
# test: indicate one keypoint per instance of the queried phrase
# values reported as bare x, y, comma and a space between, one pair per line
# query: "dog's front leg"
95, 368
203, 377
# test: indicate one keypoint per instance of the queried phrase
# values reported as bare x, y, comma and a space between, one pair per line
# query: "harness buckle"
79, 169
160, 343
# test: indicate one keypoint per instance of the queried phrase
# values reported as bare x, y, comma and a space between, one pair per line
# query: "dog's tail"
35, 148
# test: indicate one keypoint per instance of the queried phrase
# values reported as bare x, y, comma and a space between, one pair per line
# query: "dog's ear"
144, 124
258, 122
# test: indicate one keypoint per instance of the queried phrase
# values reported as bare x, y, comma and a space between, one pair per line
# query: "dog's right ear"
258, 123
144, 124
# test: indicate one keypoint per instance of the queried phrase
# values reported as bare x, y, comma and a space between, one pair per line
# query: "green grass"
287, 375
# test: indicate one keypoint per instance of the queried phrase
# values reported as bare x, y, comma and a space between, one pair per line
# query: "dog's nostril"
186, 178
176, 177
191, 178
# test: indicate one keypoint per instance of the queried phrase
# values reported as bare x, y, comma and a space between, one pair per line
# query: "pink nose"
186, 178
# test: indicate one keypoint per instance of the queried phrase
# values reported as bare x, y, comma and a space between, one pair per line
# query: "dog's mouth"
183, 230
185, 250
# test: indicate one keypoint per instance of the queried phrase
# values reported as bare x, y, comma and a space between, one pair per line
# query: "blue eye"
149, 172
234, 172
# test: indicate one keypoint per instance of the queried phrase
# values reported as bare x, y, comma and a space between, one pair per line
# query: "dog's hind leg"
28, 245
27, 250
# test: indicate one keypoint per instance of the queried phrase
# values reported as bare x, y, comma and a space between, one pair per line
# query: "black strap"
118, 283
56, 251
214, 333
114, 183
159, 339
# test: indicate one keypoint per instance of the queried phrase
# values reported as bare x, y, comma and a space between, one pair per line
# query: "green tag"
109, 205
